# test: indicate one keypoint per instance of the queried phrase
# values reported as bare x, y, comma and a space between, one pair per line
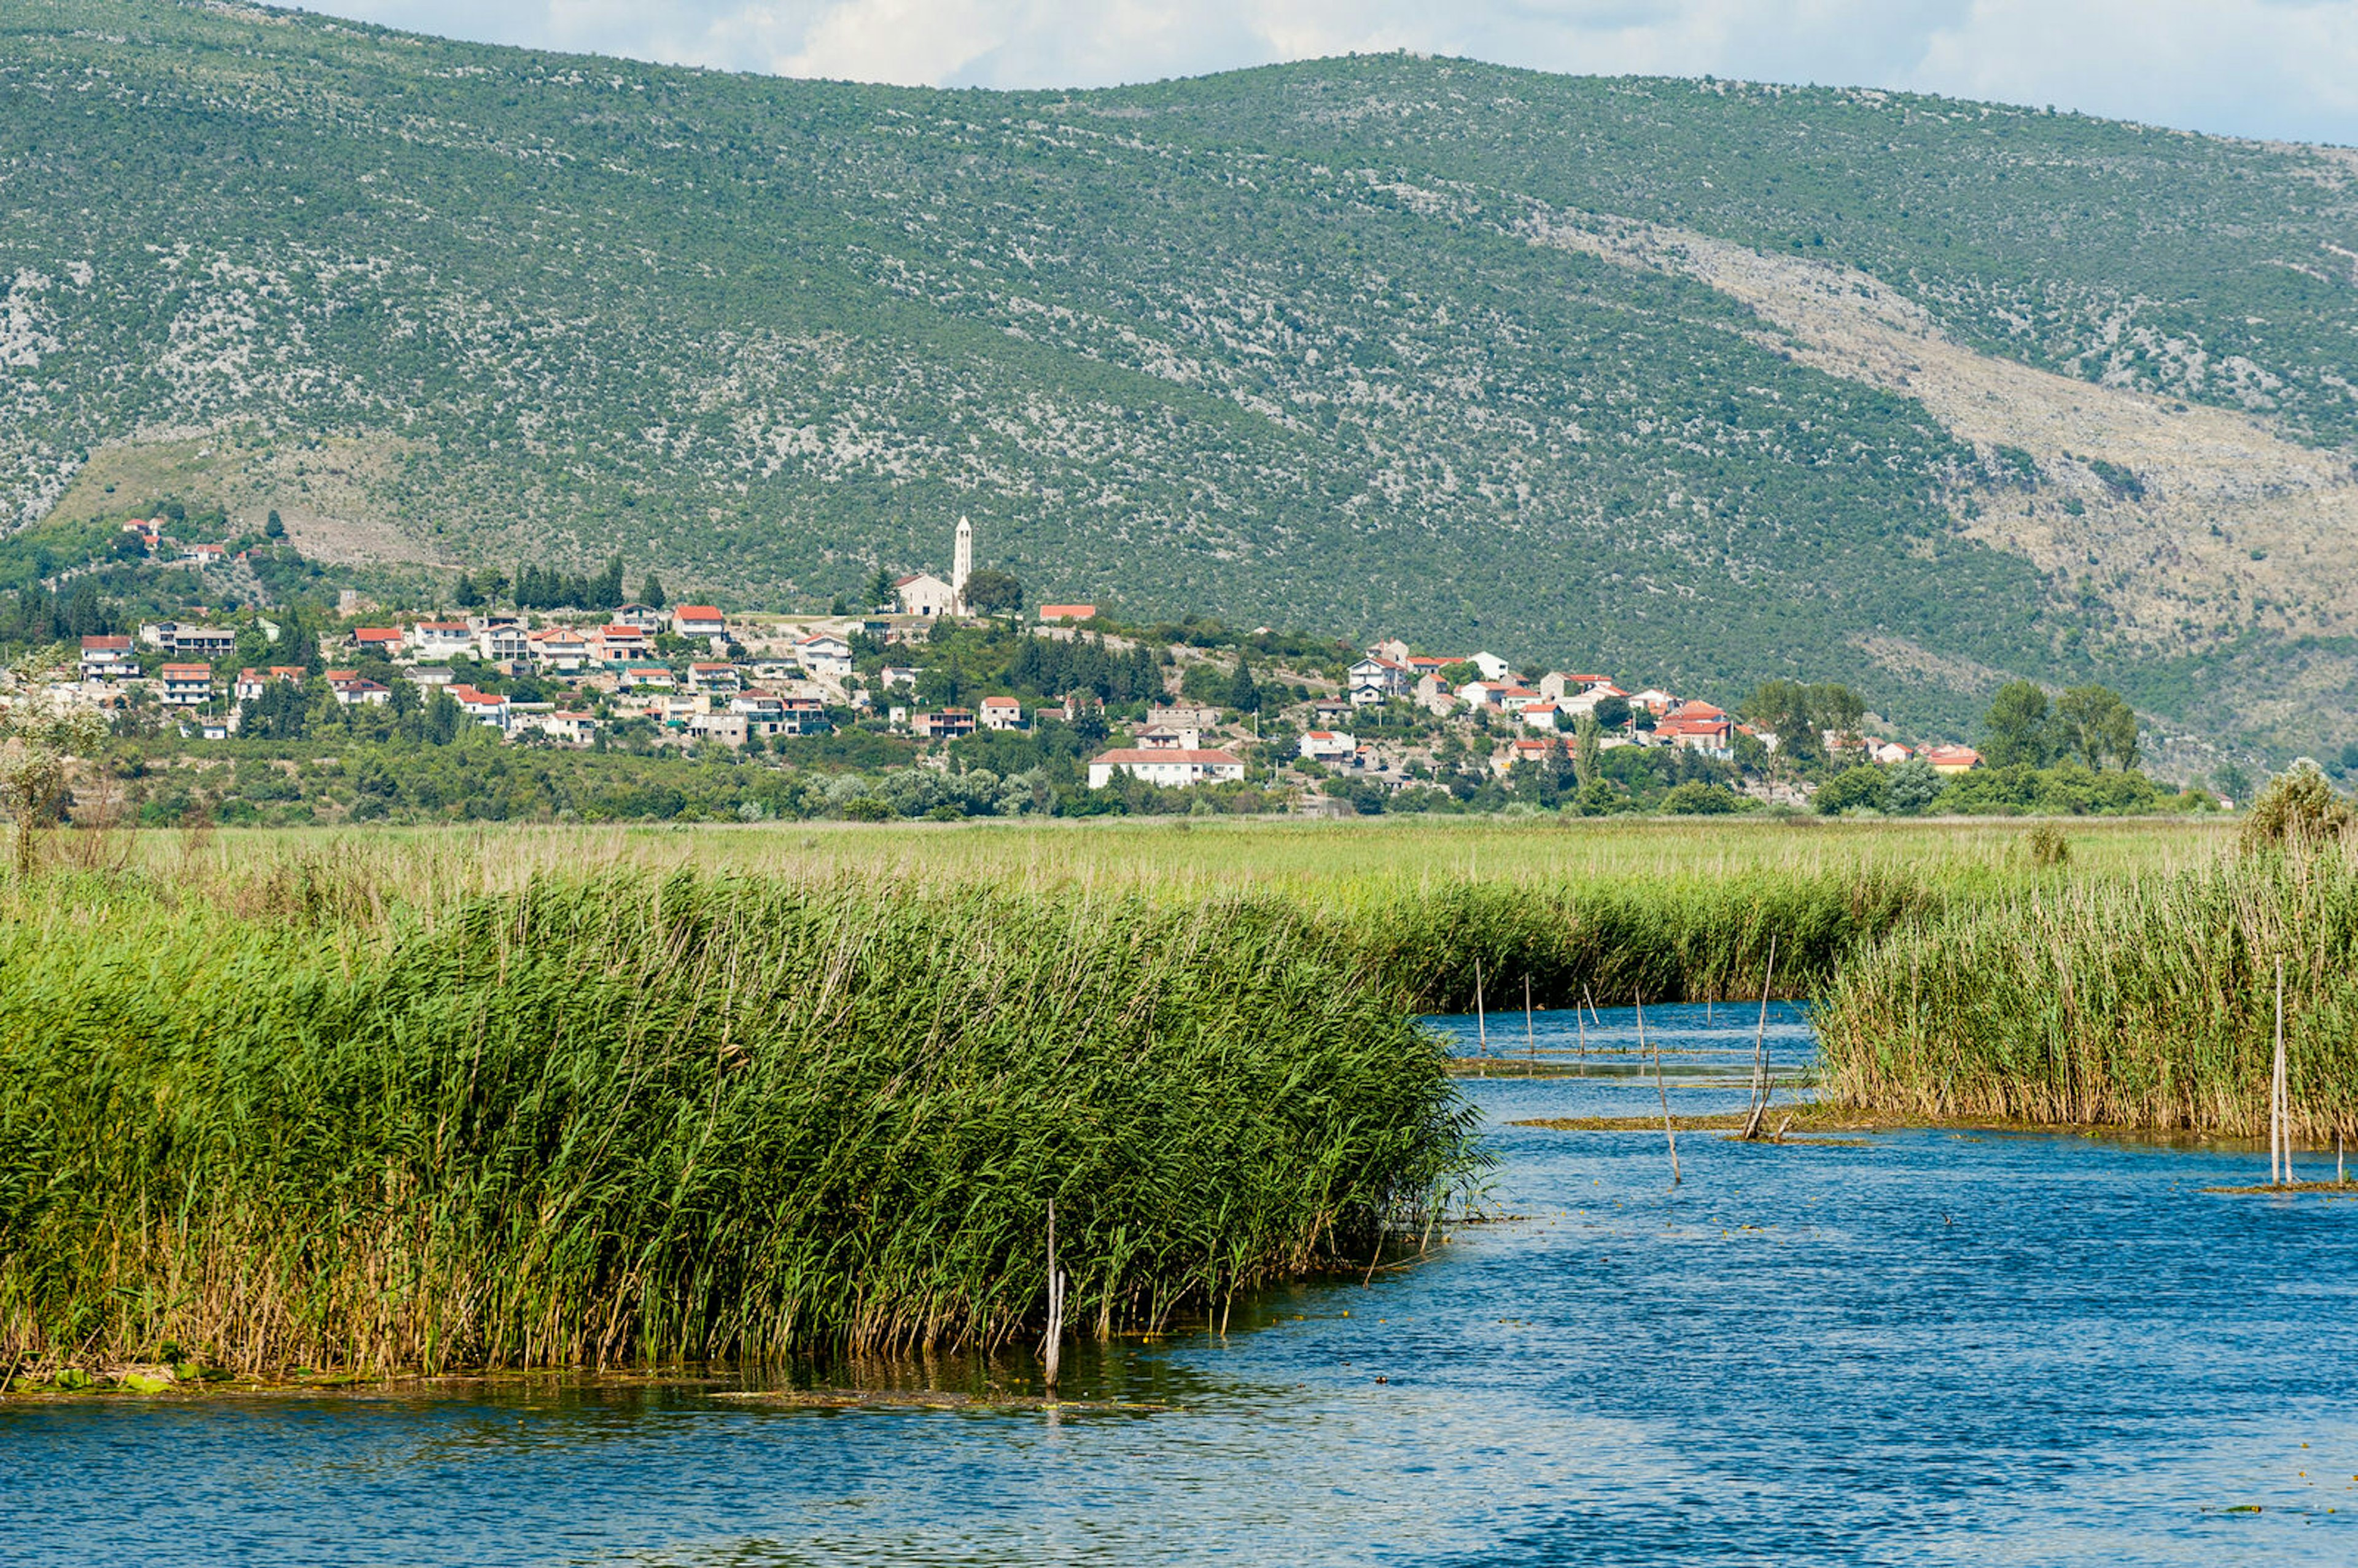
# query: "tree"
880, 594
1612, 712
1915, 786
1586, 748
280, 713
1833, 706
495, 585
1244, 695
1865, 787
2018, 731
1783, 709
990, 591
651, 591
273, 528
464, 592
2094, 722
1696, 798
442, 717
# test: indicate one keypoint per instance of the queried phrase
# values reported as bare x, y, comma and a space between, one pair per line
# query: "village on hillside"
1144, 717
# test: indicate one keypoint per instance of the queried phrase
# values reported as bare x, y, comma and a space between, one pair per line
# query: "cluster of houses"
612, 663
739, 683
1558, 700
761, 679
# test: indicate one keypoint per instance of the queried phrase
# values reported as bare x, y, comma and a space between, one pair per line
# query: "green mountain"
1703, 381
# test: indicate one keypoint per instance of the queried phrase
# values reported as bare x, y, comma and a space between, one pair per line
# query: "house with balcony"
442, 640
108, 658
946, 724
703, 622
559, 650
825, 656
505, 642
999, 713
186, 685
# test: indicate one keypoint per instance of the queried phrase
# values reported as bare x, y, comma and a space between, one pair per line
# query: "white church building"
923, 593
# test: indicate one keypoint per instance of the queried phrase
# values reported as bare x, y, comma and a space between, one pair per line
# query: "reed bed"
2142, 1003
619, 1118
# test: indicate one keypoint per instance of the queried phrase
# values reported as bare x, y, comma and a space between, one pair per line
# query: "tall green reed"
627, 1118
2136, 1003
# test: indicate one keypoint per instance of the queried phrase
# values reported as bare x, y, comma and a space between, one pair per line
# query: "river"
1920, 1347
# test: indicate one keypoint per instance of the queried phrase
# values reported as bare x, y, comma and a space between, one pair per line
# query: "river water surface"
1920, 1347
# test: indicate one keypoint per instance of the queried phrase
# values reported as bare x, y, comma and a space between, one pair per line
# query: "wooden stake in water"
1762, 1088
1481, 1026
1055, 1344
2279, 1106
1669, 1130
1530, 1039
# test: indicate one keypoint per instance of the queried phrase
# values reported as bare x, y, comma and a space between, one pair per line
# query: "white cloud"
2262, 68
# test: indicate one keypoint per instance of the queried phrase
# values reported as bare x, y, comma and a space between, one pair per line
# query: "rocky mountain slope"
1703, 380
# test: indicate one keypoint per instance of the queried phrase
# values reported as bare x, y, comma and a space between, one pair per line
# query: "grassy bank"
623, 1117
2135, 1003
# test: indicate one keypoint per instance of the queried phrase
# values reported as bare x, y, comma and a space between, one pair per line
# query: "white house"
1493, 667
107, 658
559, 649
441, 639
1327, 746
187, 686
999, 713
891, 676
488, 709
504, 640
826, 657
1544, 717
704, 620
1376, 679
1168, 769
1170, 738
354, 692
923, 593
1654, 699
1890, 753
192, 642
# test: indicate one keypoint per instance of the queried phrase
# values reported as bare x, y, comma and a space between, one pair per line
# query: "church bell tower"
962, 566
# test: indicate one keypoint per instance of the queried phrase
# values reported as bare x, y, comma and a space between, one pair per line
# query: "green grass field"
1187, 855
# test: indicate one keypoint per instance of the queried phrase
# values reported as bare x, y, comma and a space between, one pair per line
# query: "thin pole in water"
1763, 1088
1055, 1306
1530, 1039
1481, 1024
1669, 1130
2279, 1134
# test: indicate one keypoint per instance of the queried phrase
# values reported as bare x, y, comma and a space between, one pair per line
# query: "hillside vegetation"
1711, 380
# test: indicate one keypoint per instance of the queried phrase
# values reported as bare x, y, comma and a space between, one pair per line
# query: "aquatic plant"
2145, 1003
623, 1117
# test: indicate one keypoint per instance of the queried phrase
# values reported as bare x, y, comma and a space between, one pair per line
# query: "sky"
2278, 69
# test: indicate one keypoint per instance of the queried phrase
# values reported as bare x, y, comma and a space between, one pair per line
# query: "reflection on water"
1928, 1347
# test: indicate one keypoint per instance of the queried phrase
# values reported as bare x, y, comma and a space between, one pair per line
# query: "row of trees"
2092, 723
552, 587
